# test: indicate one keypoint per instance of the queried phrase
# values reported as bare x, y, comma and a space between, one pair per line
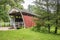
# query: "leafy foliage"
5, 6
48, 11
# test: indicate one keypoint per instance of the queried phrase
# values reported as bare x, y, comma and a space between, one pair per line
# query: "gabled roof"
14, 10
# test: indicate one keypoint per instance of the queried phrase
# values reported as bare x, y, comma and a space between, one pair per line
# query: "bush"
41, 26
4, 24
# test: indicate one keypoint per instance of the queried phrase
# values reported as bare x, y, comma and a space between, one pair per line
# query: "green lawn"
26, 34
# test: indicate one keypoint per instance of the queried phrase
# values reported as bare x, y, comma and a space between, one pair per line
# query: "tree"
57, 15
49, 12
44, 12
5, 5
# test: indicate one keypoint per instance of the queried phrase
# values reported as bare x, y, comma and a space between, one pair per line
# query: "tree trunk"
56, 30
48, 28
56, 26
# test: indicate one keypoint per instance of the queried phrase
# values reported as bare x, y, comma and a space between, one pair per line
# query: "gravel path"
5, 28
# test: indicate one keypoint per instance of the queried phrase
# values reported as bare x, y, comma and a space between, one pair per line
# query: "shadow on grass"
46, 32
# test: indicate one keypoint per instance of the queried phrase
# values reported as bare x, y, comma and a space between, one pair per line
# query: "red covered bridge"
21, 18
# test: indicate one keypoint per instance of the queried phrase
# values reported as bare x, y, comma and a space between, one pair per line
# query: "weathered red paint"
28, 20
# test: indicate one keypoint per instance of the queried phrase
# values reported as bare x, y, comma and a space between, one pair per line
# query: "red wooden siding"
28, 20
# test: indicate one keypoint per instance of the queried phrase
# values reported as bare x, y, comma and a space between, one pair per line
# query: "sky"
27, 2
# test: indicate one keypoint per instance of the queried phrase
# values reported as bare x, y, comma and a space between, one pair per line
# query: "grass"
27, 34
